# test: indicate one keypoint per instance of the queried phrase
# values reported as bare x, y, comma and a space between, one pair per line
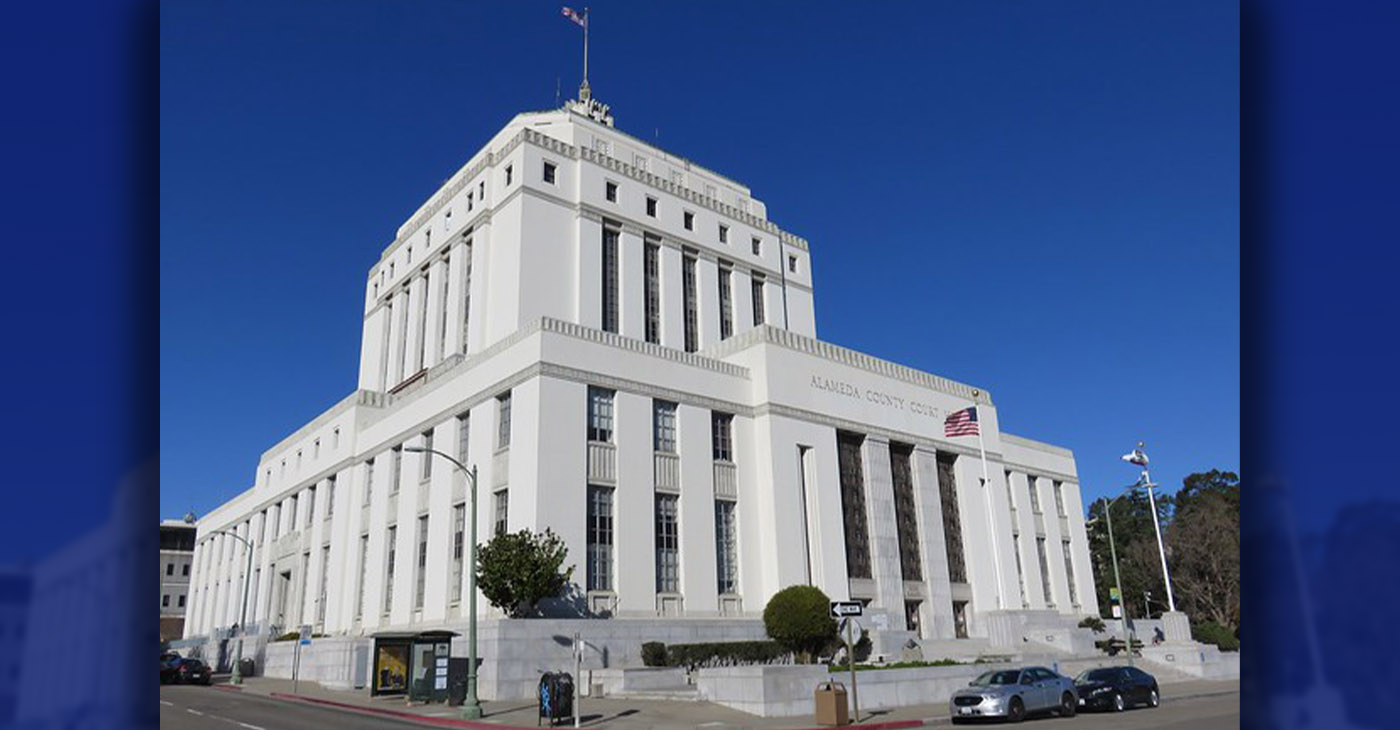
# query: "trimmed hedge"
1209, 632
714, 654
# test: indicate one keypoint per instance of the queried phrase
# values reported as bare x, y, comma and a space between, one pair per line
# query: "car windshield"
1001, 677
1097, 675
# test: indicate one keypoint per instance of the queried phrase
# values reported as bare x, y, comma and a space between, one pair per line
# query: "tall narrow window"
466, 289
610, 192
722, 432
310, 506
330, 496
651, 265
600, 415
726, 553
463, 435
726, 301
425, 468
1059, 490
952, 521
600, 538
325, 579
651, 206
688, 220
906, 522
502, 512
443, 318
510, 174
369, 481
459, 542
1044, 571
723, 233
852, 474
668, 544
390, 549
759, 308
395, 468
420, 570
1035, 493
663, 419
610, 303
1020, 573
757, 246
1069, 573
692, 315
503, 420
549, 169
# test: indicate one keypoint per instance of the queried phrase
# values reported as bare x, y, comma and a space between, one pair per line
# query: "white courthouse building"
625, 346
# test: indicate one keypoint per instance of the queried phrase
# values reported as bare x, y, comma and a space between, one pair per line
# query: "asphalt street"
198, 708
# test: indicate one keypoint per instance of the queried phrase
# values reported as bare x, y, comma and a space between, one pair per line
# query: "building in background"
625, 345
176, 557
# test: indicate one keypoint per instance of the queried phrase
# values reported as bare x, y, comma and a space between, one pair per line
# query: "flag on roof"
961, 423
574, 16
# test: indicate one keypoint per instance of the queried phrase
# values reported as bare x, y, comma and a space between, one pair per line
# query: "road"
201, 708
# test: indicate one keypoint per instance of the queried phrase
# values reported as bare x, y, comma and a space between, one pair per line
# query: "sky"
1038, 199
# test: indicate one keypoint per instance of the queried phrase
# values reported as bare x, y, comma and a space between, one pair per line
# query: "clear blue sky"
1036, 198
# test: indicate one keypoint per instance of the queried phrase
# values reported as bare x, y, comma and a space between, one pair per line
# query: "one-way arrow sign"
845, 608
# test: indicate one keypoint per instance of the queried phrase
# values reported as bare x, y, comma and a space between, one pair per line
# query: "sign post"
846, 611
304, 638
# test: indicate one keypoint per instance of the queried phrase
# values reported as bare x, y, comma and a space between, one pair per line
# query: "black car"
169, 662
192, 671
1116, 688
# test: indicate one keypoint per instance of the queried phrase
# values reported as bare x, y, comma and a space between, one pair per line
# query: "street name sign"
845, 608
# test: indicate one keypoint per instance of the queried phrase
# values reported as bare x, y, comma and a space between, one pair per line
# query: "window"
692, 323
459, 543
170, 569
1069, 573
165, 601
395, 469
463, 434
185, 570
549, 172
1059, 498
310, 505
600, 415
651, 206
316, 449
466, 289
503, 420
298, 458
181, 603
369, 481
723, 233
1035, 493
663, 420
792, 264
851, 471
364, 574
425, 465
726, 301
688, 220
610, 191
1044, 571
481, 191
610, 303
325, 578
757, 246
722, 429
330, 495
389, 549
651, 264
335, 438
510, 173
420, 579
726, 554
470, 201
1020, 574
668, 545
756, 284
952, 521
502, 512
600, 538
391, 270
906, 522
410, 254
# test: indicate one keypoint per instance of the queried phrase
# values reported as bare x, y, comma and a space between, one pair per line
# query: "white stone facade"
564, 315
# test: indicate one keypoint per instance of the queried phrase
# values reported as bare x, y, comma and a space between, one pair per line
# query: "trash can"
457, 693
831, 707
556, 696
245, 667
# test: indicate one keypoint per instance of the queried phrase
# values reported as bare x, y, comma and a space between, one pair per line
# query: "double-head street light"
471, 706
1113, 551
243, 609
1139, 457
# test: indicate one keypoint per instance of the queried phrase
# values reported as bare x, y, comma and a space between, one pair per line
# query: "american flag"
571, 15
961, 423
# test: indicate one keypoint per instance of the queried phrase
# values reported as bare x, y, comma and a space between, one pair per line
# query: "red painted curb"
400, 715
228, 687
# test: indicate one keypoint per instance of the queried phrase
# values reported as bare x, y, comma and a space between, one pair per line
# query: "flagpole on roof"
583, 91
987, 494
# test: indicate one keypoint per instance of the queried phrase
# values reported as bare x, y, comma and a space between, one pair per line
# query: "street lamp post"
1139, 457
471, 706
1117, 579
237, 677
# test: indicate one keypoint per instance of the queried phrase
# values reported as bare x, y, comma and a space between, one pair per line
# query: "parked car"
192, 671
169, 661
1013, 694
1116, 688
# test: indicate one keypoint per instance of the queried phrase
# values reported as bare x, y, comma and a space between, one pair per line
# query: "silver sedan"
1013, 694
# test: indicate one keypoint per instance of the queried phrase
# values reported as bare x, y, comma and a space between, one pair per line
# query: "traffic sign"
845, 608
849, 623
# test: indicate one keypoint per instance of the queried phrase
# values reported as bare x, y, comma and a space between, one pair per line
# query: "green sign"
1113, 594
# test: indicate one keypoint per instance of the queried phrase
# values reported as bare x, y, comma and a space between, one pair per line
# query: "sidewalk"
624, 714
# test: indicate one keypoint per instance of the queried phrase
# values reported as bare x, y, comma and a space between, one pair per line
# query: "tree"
799, 618
1136, 543
516, 570
1203, 544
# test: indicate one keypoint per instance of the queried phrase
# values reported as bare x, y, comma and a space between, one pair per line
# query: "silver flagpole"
987, 493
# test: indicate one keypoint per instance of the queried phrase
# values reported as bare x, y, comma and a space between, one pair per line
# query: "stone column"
437, 301
884, 541
588, 307
672, 298
937, 611
631, 277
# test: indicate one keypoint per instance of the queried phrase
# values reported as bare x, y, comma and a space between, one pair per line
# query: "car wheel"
1153, 699
1016, 711
1067, 705
1118, 704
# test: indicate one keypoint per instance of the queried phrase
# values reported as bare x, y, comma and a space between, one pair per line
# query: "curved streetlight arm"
237, 677
471, 473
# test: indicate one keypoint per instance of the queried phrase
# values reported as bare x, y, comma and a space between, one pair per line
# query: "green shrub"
724, 653
1209, 632
897, 665
517, 570
1093, 622
289, 636
654, 654
799, 618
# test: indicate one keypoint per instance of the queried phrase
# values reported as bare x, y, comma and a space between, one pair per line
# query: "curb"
228, 687
397, 714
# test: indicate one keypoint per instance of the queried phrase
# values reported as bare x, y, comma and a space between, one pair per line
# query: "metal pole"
851, 661
578, 676
987, 493
237, 677
1118, 580
1161, 550
296, 663
471, 707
